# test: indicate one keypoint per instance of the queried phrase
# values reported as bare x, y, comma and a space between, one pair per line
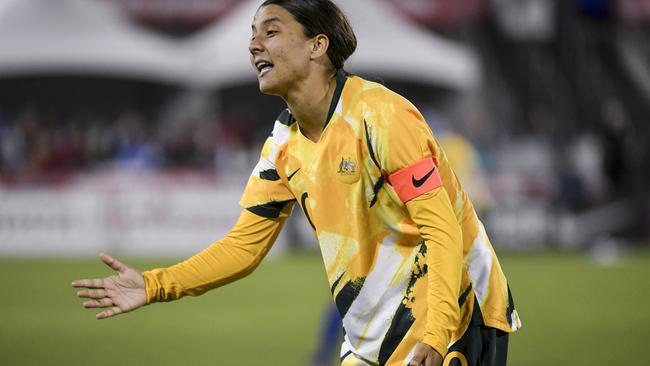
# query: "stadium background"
130, 127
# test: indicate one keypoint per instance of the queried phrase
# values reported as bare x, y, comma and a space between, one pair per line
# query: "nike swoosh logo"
418, 182
292, 174
304, 209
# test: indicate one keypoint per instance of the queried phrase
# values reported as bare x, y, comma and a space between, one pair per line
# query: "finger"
94, 283
98, 303
433, 358
416, 360
112, 262
429, 360
109, 313
92, 294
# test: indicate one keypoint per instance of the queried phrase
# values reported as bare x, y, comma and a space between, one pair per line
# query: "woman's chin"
268, 88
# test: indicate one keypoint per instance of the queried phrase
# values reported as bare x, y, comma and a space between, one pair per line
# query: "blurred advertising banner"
186, 11
143, 215
442, 12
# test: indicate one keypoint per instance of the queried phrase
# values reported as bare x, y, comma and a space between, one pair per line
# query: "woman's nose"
254, 47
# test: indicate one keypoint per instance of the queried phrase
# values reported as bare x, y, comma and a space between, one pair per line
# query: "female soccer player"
410, 267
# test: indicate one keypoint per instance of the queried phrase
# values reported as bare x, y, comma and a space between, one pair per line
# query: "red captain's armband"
416, 180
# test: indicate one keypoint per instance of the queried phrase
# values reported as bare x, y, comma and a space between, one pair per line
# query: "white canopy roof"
81, 36
92, 37
389, 46
392, 46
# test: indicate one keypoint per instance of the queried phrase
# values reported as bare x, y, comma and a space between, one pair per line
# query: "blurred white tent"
389, 46
82, 37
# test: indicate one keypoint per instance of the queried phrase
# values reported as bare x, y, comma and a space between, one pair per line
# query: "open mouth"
263, 67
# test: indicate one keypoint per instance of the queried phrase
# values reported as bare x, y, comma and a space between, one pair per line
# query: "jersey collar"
341, 78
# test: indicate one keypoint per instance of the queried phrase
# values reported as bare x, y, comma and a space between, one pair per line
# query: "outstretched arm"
227, 260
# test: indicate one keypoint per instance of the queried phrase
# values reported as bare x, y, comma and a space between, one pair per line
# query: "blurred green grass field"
575, 312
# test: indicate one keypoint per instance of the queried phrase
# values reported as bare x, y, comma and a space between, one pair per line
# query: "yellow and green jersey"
404, 251
373, 250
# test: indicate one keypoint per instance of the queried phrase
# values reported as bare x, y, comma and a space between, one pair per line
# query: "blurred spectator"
615, 140
464, 158
582, 181
12, 144
526, 19
135, 148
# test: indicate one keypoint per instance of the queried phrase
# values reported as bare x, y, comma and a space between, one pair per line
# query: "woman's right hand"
120, 293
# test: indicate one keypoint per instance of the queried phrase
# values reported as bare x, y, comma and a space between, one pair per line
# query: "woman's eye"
271, 33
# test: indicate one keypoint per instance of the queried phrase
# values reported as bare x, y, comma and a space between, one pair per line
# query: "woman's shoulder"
381, 105
375, 93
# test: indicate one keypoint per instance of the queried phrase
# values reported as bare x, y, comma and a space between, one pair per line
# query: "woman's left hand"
425, 355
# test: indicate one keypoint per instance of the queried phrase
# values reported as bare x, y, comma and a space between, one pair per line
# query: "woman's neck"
309, 103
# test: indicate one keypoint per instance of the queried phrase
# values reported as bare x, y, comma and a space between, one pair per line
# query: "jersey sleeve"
408, 155
227, 260
398, 134
442, 234
266, 193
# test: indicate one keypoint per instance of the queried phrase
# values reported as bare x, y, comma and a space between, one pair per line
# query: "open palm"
120, 293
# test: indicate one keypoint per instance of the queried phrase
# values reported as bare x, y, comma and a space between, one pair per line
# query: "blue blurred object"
596, 8
330, 338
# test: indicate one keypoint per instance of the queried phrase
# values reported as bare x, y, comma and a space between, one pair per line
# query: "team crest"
347, 167
348, 171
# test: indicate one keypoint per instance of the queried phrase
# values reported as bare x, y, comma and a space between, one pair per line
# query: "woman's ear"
320, 44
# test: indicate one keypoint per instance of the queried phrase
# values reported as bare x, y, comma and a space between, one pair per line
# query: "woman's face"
280, 51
